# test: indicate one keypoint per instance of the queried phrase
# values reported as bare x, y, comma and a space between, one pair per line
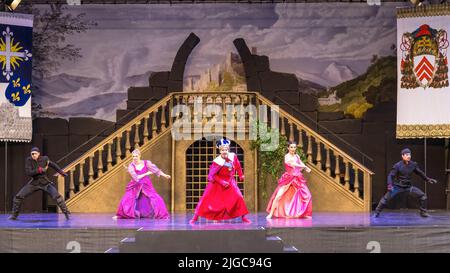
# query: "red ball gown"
218, 201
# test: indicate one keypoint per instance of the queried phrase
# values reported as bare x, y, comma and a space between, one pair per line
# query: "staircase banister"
120, 131
323, 127
222, 99
173, 94
224, 93
104, 130
316, 135
127, 126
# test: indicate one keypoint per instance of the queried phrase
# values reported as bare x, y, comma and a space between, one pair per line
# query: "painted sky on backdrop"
326, 43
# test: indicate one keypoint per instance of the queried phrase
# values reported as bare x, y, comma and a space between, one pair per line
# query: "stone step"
197, 241
130, 240
290, 249
113, 250
151, 236
273, 238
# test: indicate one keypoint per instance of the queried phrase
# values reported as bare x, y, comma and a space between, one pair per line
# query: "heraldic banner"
423, 91
15, 80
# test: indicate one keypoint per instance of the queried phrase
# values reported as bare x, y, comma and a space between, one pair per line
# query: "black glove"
432, 181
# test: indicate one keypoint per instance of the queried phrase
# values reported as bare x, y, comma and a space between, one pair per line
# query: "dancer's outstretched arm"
291, 162
154, 169
54, 166
422, 174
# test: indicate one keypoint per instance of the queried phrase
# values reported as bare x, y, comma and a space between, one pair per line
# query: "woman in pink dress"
222, 198
141, 199
291, 198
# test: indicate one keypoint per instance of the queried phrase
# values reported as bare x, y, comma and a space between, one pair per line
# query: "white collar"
220, 161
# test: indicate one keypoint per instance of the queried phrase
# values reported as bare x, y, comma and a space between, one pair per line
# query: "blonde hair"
136, 151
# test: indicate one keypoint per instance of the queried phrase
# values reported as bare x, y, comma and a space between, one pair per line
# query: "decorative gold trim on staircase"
316, 135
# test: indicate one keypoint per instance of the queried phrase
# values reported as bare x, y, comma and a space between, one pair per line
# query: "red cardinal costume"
222, 198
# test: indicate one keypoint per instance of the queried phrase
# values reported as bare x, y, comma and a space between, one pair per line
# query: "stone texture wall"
160, 83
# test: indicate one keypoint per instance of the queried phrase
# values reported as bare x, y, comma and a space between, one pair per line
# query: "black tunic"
32, 169
400, 174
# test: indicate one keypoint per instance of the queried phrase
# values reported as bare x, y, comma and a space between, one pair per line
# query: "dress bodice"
293, 170
141, 171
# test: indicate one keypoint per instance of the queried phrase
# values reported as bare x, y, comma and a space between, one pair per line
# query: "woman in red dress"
222, 198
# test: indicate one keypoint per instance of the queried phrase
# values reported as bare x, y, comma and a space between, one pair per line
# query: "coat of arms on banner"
424, 58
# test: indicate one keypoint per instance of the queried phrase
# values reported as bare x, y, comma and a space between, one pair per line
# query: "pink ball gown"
141, 199
295, 200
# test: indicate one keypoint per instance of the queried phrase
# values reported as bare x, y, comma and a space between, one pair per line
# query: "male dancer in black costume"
36, 166
399, 180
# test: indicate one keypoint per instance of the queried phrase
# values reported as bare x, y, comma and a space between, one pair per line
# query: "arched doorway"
199, 156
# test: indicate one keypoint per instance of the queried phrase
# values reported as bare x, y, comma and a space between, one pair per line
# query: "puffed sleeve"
288, 160
152, 167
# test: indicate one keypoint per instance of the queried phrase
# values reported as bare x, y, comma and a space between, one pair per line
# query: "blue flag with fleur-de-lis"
16, 32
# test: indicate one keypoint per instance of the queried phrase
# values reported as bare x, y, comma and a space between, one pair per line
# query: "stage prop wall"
423, 97
343, 56
15, 84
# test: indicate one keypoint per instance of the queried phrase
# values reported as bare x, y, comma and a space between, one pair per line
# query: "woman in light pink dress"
292, 198
141, 199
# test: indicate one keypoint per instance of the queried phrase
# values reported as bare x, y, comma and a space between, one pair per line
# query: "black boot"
423, 207
379, 208
424, 214
17, 203
63, 207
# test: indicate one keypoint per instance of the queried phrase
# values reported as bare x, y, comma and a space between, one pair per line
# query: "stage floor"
180, 221
394, 231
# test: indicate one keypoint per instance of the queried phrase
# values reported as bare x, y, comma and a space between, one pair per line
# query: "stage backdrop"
343, 53
423, 98
15, 79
